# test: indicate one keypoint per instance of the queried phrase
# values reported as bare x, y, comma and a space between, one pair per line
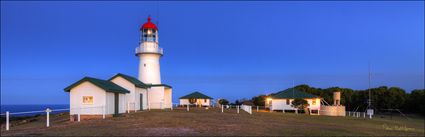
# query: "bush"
223, 102
300, 103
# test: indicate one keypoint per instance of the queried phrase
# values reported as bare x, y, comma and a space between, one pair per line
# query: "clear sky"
227, 50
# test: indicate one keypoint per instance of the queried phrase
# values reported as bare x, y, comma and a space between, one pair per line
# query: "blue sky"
227, 50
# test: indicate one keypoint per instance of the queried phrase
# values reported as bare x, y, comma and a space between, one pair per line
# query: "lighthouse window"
144, 65
314, 102
287, 101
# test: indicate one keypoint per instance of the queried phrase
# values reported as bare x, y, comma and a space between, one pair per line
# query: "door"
141, 101
116, 112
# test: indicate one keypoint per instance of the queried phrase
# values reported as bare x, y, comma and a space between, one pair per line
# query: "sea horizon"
14, 108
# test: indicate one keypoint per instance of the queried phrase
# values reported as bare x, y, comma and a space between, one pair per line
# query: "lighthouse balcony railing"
143, 49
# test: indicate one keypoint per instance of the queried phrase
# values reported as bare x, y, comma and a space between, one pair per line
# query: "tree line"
383, 98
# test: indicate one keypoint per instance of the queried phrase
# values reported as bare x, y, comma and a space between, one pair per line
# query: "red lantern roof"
148, 25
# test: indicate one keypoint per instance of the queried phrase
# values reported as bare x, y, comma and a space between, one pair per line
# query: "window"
87, 99
144, 65
314, 102
205, 100
287, 101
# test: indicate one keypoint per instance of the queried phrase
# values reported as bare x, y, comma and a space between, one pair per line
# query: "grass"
201, 122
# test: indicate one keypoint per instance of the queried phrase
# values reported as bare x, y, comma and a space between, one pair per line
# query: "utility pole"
369, 109
369, 101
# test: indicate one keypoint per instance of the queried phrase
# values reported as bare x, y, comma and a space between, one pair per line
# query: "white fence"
357, 114
247, 108
78, 112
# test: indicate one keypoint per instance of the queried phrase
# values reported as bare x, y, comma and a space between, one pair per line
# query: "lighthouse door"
141, 101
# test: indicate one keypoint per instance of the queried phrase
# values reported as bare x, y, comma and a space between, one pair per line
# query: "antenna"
369, 100
293, 87
157, 13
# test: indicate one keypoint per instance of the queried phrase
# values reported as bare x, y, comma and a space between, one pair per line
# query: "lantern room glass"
149, 35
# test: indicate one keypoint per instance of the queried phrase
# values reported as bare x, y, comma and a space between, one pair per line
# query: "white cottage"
282, 100
197, 97
92, 97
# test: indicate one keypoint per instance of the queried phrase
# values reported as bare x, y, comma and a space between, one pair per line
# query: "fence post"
135, 110
296, 111
172, 106
79, 115
128, 107
283, 111
257, 108
149, 106
250, 110
222, 108
318, 112
7, 120
187, 107
103, 109
364, 114
237, 107
48, 117
160, 105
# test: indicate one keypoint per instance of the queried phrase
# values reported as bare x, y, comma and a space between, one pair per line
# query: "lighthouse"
149, 54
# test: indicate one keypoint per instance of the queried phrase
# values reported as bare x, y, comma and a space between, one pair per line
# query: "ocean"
25, 108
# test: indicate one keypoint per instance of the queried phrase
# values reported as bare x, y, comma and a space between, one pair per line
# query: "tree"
259, 100
415, 101
223, 102
300, 103
237, 102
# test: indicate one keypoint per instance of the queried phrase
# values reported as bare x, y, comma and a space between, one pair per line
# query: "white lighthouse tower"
149, 53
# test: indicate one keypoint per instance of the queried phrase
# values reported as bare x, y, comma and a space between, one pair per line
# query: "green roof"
159, 85
293, 93
196, 95
103, 84
131, 79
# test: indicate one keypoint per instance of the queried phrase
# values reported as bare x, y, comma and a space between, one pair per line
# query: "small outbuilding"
282, 100
92, 97
137, 99
198, 98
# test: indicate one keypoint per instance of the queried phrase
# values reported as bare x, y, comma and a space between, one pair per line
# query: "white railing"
47, 111
144, 49
356, 114
78, 112
247, 108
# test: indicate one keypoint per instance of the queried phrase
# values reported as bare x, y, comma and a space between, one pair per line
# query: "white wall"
156, 96
280, 104
110, 105
87, 89
198, 102
168, 100
184, 101
110, 101
122, 106
149, 70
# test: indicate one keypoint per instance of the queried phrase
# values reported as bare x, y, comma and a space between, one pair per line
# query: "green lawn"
213, 122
